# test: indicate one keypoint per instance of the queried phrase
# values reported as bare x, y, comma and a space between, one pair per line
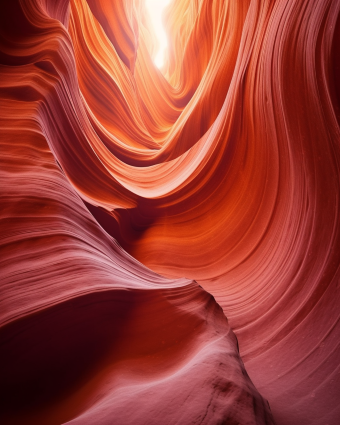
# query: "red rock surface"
223, 169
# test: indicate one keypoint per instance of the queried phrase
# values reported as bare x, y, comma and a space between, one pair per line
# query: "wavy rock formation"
223, 169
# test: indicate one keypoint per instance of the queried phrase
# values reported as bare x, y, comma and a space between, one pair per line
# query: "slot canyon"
169, 216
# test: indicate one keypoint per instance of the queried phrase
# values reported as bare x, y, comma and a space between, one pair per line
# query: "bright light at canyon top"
155, 9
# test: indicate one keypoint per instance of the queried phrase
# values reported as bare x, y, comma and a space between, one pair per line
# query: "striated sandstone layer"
221, 169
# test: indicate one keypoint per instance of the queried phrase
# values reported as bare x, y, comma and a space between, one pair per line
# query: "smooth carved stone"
140, 208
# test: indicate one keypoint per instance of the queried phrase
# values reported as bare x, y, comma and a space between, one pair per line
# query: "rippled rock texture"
140, 208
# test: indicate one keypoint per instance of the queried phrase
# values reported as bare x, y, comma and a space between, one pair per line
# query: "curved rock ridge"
89, 335
223, 168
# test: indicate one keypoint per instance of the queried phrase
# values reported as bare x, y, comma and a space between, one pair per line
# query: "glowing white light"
155, 9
